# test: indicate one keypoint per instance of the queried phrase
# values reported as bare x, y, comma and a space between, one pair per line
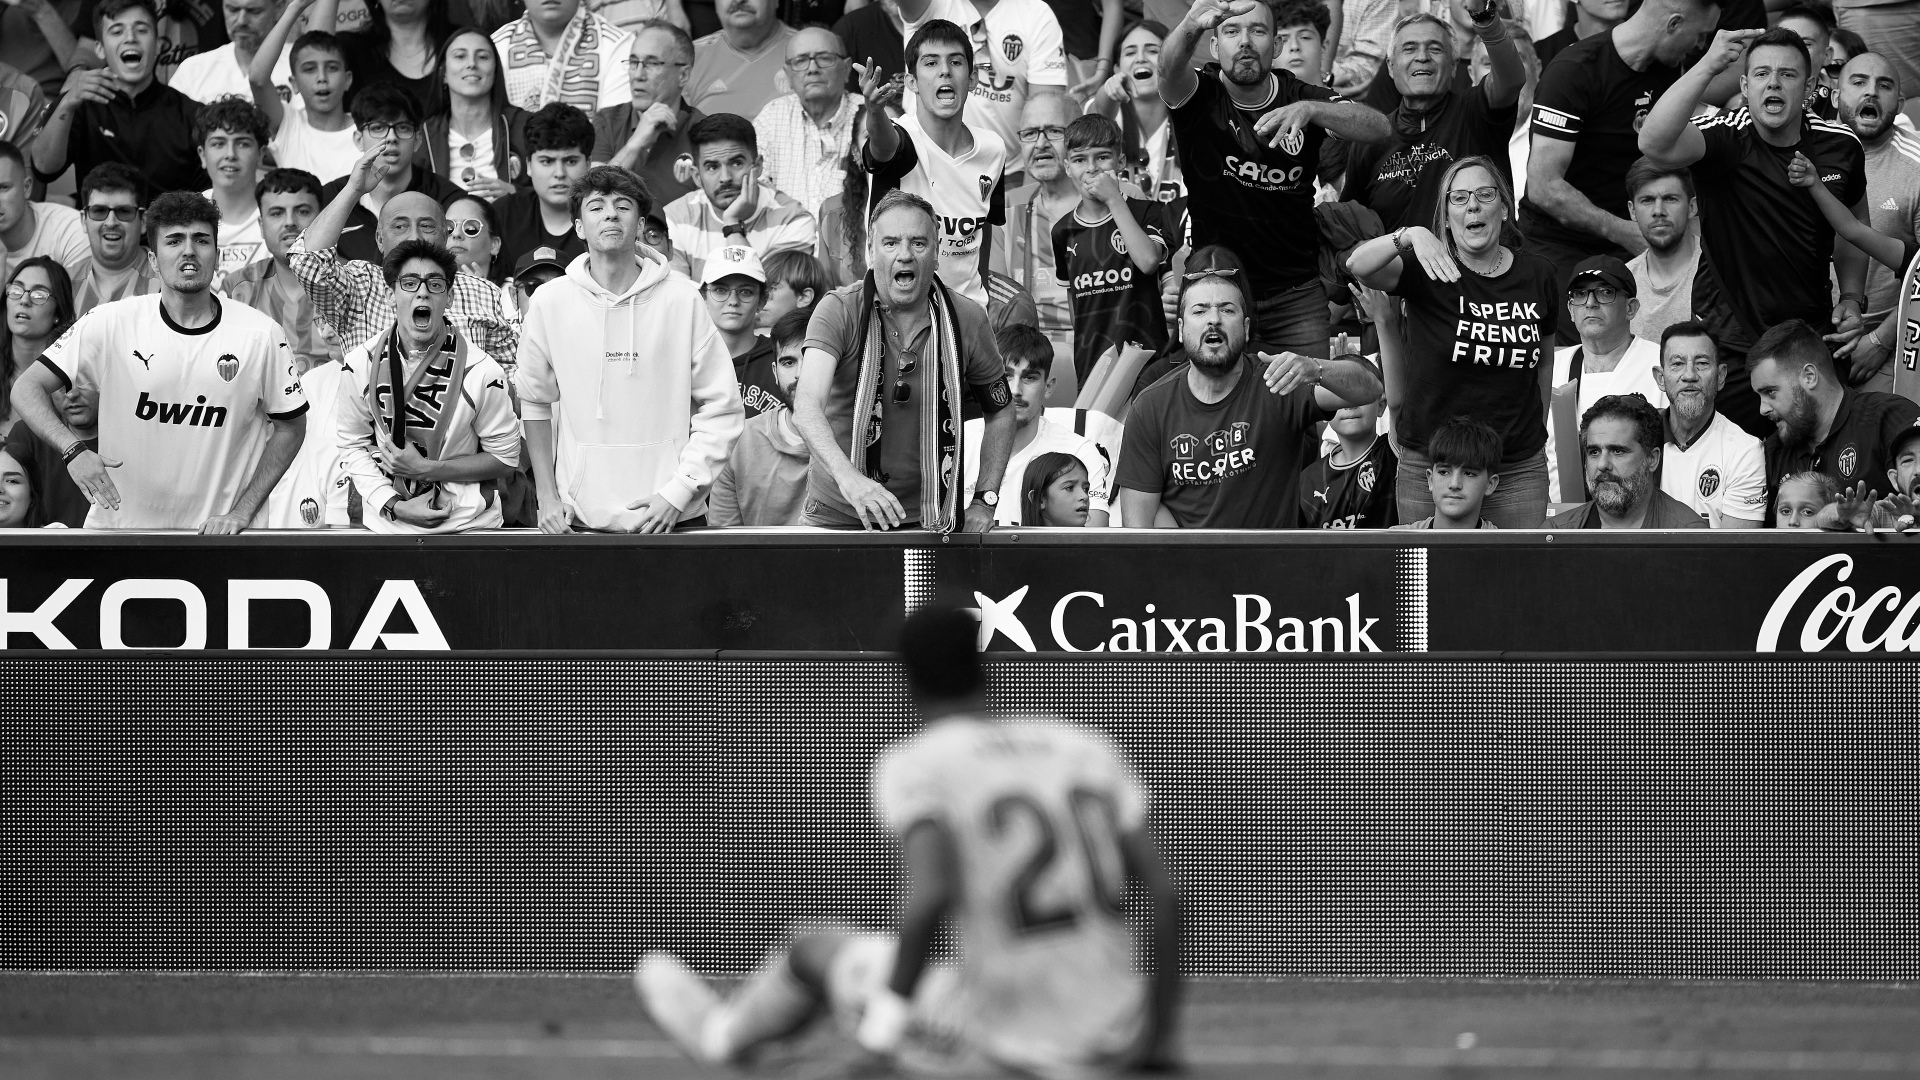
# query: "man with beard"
212, 74
1219, 443
1435, 124
1662, 204
1870, 99
199, 407
1249, 140
649, 133
1708, 462
1768, 242
288, 201
1032, 209
1821, 423
1622, 438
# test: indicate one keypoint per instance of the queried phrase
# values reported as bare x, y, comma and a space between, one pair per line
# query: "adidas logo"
1890, 205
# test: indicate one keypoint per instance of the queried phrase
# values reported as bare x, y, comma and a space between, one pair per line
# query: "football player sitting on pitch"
428, 424
1047, 986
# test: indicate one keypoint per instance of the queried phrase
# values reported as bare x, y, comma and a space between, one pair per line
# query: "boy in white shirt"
314, 133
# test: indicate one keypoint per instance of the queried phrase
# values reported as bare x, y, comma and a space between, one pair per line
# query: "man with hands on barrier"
1249, 139
432, 423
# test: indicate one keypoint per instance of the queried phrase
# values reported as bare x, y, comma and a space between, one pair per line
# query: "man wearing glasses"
116, 266
649, 133
1602, 302
742, 66
429, 427
805, 135
28, 228
384, 117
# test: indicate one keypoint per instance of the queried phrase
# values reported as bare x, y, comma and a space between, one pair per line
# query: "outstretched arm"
1178, 80
1668, 135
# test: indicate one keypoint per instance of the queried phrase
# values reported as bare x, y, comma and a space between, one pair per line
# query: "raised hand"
1800, 172
1207, 14
1289, 371
1287, 125
87, 84
1728, 47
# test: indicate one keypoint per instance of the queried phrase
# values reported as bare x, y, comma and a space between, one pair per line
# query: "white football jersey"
1017, 45
1036, 810
185, 412
1722, 473
968, 193
313, 492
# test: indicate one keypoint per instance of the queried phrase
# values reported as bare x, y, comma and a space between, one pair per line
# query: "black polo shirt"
1770, 243
152, 133
1855, 450
522, 229
1400, 178
356, 236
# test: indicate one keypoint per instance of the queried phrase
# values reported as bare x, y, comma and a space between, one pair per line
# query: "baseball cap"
1603, 270
730, 260
538, 257
1905, 436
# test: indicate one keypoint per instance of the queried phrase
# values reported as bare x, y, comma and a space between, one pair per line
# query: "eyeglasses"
37, 296
411, 283
1222, 271
902, 392
1598, 294
118, 213
650, 65
469, 228
1483, 196
1053, 134
819, 59
401, 130
746, 294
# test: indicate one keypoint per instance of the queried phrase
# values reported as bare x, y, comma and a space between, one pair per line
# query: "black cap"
1603, 270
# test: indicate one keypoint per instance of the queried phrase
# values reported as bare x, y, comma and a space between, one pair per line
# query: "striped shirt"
353, 297
694, 226
803, 159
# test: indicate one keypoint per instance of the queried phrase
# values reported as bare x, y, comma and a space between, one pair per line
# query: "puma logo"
144, 362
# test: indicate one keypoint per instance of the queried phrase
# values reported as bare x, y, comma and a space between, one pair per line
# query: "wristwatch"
734, 230
991, 498
387, 510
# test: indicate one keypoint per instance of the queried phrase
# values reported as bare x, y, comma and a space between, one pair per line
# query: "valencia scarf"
939, 412
422, 410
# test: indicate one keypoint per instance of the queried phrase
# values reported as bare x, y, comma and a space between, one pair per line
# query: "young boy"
765, 480
559, 137
795, 282
1108, 251
317, 137
1029, 359
1351, 488
1465, 453
734, 284
231, 134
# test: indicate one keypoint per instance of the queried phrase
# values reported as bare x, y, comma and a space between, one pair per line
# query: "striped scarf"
1906, 350
939, 413
417, 409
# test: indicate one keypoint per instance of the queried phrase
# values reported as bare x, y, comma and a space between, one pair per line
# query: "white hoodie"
647, 398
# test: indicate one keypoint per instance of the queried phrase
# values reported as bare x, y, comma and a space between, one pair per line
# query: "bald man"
806, 134
1870, 97
352, 294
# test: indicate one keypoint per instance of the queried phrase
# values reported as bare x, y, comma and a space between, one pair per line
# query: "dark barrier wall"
1090, 590
1653, 817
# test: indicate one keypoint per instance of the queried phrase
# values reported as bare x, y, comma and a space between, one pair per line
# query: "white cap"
730, 260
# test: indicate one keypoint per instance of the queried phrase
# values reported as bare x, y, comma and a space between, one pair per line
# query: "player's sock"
679, 1001
773, 1003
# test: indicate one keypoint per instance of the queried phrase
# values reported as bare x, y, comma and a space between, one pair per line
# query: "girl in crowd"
1480, 319
1801, 499
843, 232
401, 45
16, 493
1132, 97
1054, 492
473, 136
473, 235
38, 309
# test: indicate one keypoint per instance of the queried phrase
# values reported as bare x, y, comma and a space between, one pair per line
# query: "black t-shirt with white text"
758, 390
1769, 242
1400, 178
1590, 97
1254, 198
1357, 495
1234, 464
1113, 302
522, 230
1474, 348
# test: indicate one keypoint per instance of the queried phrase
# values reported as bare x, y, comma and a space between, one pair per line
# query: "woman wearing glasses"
1479, 316
38, 309
473, 235
473, 137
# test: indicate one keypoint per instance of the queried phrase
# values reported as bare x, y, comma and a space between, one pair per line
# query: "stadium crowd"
424, 266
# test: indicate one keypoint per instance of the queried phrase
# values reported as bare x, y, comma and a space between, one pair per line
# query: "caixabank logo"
1249, 625
373, 630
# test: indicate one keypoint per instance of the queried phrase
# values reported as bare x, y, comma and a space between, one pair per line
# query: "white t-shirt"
59, 232
1017, 45
964, 192
185, 412
1632, 375
472, 159
1035, 809
240, 244
313, 492
328, 155
1047, 439
1723, 473
208, 76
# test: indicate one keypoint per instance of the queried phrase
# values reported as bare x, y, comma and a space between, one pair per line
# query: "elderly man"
649, 133
432, 421
351, 295
1708, 462
1435, 124
1032, 209
587, 50
805, 135
880, 412
1870, 99
1609, 360
742, 66
1622, 437
209, 76
1821, 423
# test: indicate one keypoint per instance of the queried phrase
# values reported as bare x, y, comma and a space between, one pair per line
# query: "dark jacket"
1665, 512
509, 147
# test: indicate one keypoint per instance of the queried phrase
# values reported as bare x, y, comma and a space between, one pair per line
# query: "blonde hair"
1510, 234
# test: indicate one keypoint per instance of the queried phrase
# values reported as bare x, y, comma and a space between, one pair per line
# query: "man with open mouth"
1018, 54
1719, 471
1768, 242
1870, 99
122, 112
